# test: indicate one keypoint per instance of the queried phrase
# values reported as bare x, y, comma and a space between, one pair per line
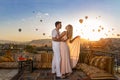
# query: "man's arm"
55, 39
61, 35
59, 38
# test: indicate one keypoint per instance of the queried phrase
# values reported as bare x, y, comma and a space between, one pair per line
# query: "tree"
29, 48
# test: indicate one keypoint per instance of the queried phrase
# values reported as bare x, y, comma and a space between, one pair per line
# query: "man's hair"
56, 23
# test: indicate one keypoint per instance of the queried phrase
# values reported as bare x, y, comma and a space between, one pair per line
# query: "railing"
83, 53
117, 62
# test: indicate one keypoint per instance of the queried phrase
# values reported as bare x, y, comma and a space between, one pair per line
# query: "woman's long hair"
69, 31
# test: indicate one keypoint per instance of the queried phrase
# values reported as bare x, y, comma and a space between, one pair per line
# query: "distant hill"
41, 42
8, 41
114, 40
38, 43
44, 42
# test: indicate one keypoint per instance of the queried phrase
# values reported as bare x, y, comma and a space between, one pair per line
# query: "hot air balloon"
93, 30
43, 34
98, 30
36, 29
33, 11
81, 21
19, 29
112, 29
86, 17
118, 34
41, 20
106, 34
102, 28
109, 31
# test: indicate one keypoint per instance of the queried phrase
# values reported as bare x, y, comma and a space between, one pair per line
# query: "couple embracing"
65, 50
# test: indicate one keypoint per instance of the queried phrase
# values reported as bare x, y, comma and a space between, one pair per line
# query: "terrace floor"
42, 74
45, 74
7, 74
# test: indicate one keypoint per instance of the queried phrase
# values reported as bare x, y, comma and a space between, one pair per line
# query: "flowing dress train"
74, 48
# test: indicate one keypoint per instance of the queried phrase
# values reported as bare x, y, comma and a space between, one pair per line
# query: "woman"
67, 62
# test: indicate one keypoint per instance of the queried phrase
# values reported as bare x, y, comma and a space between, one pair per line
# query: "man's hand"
55, 39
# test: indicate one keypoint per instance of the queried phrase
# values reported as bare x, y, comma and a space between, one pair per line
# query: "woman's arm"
61, 36
74, 39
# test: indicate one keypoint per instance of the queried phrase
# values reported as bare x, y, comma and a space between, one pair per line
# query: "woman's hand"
74, 39
77, 36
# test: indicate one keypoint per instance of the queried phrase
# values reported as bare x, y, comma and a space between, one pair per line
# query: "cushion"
93, 60
100, 75
6, 59
93, 70
9, 65
103, 63
97, 62
88, 58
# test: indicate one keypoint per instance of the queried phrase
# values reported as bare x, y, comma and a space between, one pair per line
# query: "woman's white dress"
69, 54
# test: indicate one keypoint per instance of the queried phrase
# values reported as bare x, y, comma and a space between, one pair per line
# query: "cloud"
39, 15
46, 14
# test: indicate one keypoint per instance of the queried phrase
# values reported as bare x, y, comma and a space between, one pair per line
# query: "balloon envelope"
43, 33
99, 26
93, 30
33, 11
98, 30
102, 28
41, 20
112, 29
86, 17
118, 34
81, 21
19, 29
106, 34
36, 29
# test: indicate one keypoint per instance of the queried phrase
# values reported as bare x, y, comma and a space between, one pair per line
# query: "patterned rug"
45, 74
7, 74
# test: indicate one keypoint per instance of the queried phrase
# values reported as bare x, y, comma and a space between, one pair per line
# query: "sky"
36, 18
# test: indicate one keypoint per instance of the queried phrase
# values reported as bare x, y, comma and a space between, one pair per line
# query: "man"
56, 50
